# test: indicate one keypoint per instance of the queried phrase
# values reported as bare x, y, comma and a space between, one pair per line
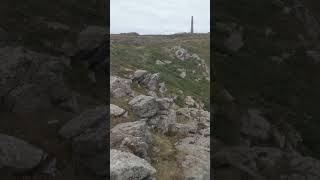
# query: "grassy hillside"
131, 52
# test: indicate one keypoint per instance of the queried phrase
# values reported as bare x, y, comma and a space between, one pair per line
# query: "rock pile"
155, 115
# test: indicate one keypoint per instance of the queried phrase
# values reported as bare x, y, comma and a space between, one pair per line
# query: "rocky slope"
266, 61
51, 89
158, 87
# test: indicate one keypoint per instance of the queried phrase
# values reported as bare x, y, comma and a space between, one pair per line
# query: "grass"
165, 161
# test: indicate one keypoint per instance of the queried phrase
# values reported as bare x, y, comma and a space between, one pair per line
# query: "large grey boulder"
132, 137
162, 122
120, 87
144, 106
165, 117
124, 166
88, 134
17, 155
84, 121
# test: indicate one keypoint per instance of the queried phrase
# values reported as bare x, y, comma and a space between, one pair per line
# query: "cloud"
159, 17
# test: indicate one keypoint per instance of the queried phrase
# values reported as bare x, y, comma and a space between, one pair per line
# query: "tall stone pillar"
191, 24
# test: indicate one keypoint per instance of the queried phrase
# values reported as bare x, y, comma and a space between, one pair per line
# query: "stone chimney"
191, 25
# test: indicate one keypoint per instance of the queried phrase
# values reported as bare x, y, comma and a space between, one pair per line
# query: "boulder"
116, 110
151, 81
18, 156
146, 79
88, 134
124, 166
144, 106
32, 81
120, 87
165, 116
139, 74
132, 137
163, 121
84, 121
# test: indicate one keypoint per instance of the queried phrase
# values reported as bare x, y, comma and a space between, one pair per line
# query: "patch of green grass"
165, 161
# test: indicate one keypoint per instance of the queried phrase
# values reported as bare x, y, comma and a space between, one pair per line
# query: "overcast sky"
159, 16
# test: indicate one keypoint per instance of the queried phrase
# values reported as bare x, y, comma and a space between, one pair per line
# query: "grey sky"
159, 16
